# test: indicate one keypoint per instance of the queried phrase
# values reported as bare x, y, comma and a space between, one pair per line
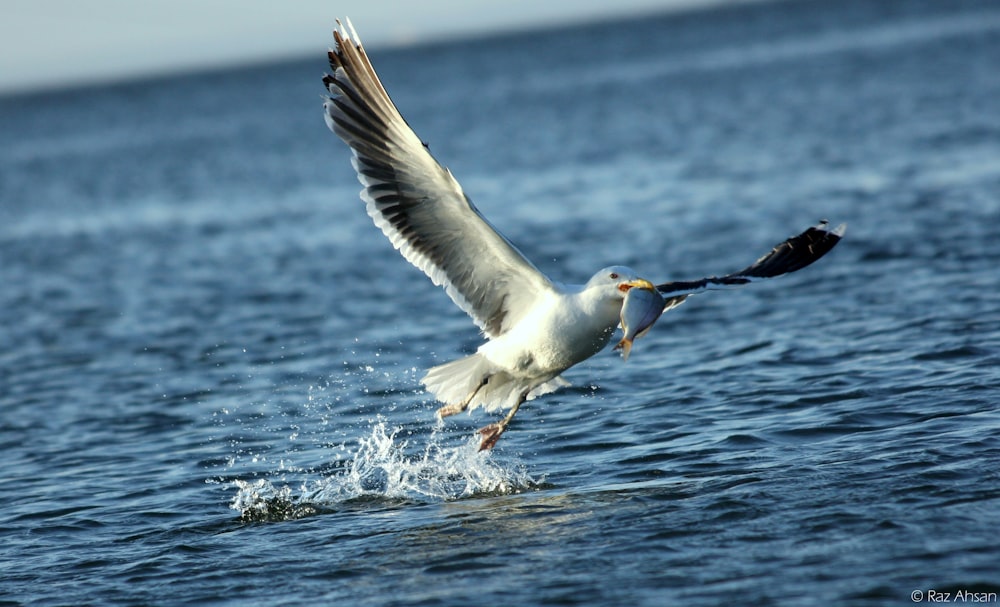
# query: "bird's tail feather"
454, 382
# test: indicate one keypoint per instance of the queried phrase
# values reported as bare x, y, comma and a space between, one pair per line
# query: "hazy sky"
45, 42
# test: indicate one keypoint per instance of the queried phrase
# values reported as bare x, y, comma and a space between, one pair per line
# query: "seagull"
535, 328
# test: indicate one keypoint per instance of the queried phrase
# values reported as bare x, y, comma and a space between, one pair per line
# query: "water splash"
387, 468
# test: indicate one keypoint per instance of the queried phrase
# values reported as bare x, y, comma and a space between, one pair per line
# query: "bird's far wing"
418, 204
794, 254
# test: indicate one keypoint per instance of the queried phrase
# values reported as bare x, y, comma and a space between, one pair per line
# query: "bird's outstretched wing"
794, 254
418, 204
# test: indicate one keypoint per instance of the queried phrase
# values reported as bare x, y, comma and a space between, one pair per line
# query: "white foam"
387, 467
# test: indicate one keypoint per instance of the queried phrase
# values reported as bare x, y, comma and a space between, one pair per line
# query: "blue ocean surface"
210, 358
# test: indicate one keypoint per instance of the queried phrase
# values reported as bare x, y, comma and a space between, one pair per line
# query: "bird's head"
618, 280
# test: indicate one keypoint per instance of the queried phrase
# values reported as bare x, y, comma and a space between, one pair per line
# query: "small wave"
386, 468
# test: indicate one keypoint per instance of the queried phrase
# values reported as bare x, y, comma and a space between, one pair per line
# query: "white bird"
536, 328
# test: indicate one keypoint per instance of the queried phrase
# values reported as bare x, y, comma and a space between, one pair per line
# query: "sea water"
210, 359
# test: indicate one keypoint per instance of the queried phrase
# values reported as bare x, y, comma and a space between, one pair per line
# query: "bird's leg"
454, 408
491, 433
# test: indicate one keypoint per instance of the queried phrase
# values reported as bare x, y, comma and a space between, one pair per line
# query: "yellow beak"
639, 283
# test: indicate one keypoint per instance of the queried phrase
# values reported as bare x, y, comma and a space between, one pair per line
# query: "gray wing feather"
418, 204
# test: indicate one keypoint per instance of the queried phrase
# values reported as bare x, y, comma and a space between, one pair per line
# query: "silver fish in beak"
642, 306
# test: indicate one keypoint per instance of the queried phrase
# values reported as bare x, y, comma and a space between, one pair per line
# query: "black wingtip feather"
791, 255
795, 253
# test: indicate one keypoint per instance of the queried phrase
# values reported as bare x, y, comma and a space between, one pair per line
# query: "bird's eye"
614, 276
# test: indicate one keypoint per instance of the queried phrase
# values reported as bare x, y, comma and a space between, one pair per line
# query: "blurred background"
210, 359
52, 43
